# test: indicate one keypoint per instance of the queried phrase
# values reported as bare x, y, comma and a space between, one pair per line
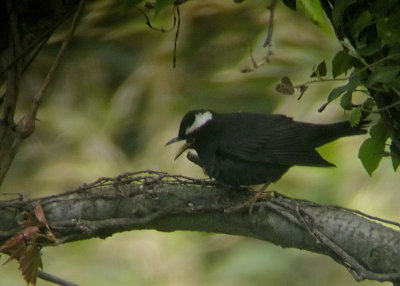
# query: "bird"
245, 148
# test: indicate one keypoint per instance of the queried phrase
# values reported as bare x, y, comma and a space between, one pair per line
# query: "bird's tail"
333, 131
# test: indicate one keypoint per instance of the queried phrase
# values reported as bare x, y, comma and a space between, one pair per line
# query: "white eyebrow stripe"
200, 120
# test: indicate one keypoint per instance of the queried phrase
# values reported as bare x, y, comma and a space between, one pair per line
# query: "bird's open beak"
183, 148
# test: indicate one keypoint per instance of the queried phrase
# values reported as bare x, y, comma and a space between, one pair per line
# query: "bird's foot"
261, 194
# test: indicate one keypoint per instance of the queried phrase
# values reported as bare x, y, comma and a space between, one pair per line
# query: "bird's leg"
261, 194
194, 158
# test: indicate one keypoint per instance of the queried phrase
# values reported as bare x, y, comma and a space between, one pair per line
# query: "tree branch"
156, 200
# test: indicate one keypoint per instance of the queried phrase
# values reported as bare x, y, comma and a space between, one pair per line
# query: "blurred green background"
116, 100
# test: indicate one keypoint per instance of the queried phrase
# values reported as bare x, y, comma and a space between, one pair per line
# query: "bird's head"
191, 126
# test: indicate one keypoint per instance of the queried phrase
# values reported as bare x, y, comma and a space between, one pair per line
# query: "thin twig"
268, 40
54, 279
148, 22
26, 125
267, 43
50, 75
176, 34
7, 124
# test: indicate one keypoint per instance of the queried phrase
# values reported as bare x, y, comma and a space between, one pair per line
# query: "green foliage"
341, 63
163, 4
383, 74
355, 117
312, 9
372, 150
363, 21
133, 2
370, 35
389, 28
395, 158
320, 71
338, 11
345, 90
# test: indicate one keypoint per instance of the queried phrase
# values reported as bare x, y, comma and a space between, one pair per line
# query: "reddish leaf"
41, 218
21, 237
29, 263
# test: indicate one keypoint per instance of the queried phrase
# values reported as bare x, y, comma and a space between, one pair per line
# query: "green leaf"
290, 3
354, 81
367, 106
355, 117
363, 21
338, 11
389, 28
320, 70
395, 51
345, 101
163, 4
395, 160
371, 150
133, 3
336, 92
341, 63
368, 45
383, 74
312, 9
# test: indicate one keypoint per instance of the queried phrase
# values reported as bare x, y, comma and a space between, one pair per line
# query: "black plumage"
251, 148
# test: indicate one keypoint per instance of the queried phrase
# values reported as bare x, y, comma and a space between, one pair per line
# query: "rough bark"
154, 200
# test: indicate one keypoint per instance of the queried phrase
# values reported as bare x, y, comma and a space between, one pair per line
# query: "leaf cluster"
369, 32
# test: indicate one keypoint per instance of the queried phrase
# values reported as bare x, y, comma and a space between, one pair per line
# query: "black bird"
251, 148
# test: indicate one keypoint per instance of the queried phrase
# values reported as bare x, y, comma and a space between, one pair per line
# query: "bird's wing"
275, 139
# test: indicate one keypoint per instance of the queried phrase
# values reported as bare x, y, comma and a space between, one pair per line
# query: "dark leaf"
371, 150
320, 70
366, 107
341, 63
302, 88
363, 21
336, 92
383, 74
395, 51
339, 9
285, 86
389, 28
355, 117
345, 101
369, 46
395, 158
290, 3
347, 89
133, 2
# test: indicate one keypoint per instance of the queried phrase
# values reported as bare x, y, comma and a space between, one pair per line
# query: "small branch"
12, 136
54, 279
148, 22
267, 43
7, 124
176, 34
27, 125
268, 40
